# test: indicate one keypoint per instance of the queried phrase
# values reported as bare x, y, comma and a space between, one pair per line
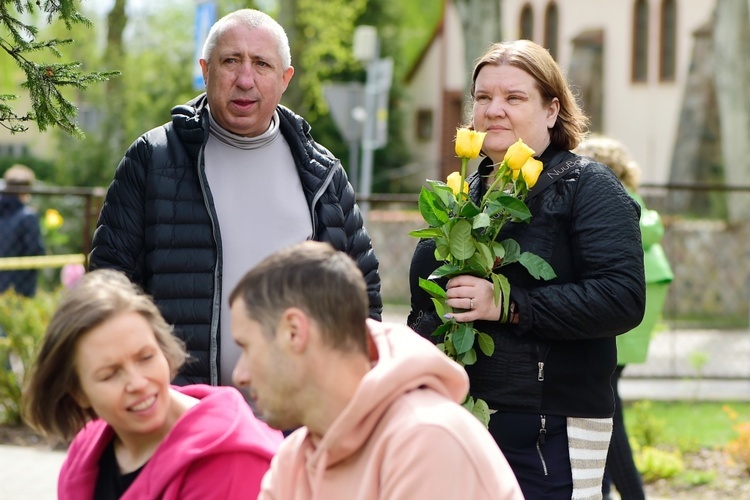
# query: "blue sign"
205, 17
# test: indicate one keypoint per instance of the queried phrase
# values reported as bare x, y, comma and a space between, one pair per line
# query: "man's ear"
294, 328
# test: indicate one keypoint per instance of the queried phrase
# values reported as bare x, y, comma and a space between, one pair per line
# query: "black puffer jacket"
559, 358
158, 225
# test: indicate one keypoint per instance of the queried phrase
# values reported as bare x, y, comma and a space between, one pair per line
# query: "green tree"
156, 51
45, 80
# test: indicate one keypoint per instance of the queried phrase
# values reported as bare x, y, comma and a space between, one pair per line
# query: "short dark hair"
49, 402
314, 277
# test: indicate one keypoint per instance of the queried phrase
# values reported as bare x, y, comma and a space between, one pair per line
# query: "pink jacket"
402, 436
217, 449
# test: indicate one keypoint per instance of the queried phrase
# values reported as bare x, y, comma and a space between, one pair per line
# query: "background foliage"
151, 44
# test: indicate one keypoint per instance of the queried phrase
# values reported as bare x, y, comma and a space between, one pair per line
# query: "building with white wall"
628, 58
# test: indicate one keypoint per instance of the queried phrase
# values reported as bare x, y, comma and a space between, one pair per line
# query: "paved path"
31, 473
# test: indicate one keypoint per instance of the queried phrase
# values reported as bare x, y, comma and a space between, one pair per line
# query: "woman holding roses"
547, 383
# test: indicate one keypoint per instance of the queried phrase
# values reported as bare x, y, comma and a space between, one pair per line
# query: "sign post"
377, 87
205, 17
345, 102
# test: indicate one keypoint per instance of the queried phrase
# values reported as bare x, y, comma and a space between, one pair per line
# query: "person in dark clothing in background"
232, 178
20, 234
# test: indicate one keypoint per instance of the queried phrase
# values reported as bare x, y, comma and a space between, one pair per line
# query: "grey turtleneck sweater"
260, 206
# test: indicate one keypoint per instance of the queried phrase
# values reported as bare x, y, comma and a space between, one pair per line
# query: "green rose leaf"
488, 261
498, 250
481, 411
444, 328
475, 265
446, 195
502, 288
461, 241
439, 307
486, 343
442, 250
536, 266
433, 210
430, 232
468, 403
512, 251
516, 208
469, 357
432, 288
469, 210
463, 338
450, 348
481, 220
445, 270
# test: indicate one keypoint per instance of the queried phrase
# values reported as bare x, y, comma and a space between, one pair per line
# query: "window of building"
640, 41
668, 40
527, 23
424, 124
550, 29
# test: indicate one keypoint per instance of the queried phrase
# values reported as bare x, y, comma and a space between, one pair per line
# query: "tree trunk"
293, 97
114, 55
732, 77
480, 20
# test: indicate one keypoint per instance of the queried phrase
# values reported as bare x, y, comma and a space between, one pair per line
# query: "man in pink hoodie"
376, 405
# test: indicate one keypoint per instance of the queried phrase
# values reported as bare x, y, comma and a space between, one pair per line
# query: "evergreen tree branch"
44, 82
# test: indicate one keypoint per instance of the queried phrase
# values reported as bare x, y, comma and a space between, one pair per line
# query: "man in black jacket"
231, 179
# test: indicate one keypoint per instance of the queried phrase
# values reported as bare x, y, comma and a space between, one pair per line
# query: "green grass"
692, 425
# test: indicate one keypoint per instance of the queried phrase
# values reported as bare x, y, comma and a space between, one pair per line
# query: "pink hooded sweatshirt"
217, 449
402, 436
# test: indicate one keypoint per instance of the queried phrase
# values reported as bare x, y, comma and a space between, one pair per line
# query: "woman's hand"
472, 299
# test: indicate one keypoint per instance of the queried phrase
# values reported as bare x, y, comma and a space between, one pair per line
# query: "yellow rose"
530, 171
469, 143
53, 219
454, 181
517, 155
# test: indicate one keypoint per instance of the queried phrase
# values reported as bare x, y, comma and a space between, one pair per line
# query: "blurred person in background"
233, 177
20, 233
632, 347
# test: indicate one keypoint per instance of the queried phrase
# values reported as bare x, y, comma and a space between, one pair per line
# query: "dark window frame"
552, 28
668, 41
639, 60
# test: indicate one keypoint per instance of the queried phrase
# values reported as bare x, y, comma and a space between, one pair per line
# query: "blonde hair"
49, 404
535, 60
613, 154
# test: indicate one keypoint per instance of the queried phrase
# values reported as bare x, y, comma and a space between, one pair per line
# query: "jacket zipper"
213, 358
540, 441
316, 197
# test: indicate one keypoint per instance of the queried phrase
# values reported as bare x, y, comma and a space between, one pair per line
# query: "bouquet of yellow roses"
465, 235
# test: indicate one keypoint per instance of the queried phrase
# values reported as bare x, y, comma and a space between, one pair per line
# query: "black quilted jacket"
158, 225
559, 358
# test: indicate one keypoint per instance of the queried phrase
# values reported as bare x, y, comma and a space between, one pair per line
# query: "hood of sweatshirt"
221, 423
406, 362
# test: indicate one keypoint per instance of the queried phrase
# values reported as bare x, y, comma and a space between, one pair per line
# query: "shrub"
739, 447
22, 321
648, 430
654, 463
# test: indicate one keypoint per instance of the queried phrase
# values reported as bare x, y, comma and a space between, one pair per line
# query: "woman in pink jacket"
103, 375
